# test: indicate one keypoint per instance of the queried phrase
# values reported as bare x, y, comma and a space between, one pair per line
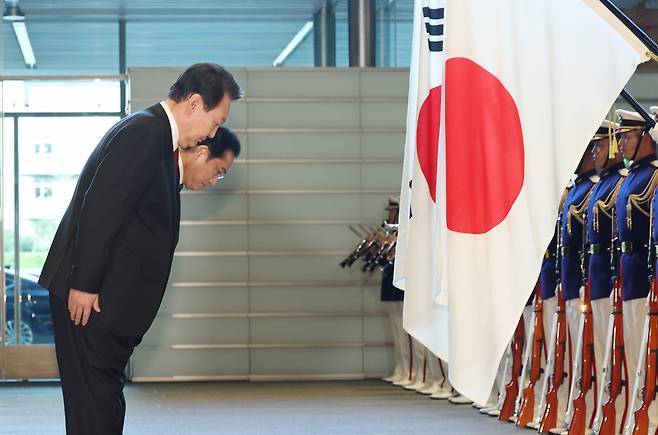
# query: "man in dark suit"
110, 259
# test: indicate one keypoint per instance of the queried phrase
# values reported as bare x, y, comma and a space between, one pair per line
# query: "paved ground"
331, 408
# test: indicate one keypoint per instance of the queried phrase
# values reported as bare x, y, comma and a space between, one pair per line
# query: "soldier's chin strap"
654, 133
637, 148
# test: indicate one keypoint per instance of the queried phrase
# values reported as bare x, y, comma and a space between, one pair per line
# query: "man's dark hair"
209, 80
223, 141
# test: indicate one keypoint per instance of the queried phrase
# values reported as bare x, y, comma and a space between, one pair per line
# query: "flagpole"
648, 42
637, 31
638, 107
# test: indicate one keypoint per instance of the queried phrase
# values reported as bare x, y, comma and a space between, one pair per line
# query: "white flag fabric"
525, 85
418, 232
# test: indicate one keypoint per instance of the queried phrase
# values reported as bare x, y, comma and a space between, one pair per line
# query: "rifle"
360, 248
641, 415
614, 381
512, 387
585, 365
555, 372
527, 408
587, 369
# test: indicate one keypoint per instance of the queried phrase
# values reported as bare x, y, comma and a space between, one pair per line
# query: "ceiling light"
24, 43
294, 43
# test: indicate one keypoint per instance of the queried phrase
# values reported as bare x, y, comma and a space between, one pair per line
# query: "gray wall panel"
305, 176
372, 204
211, 206
643, 85
326, 114
385, 83
168, 331
376, 329
155, 82
150, 361
378, 360
386, 114
388, 145
301, 237
208, 269
372, 295
213, 238
321, 149
290, 145
305, 206
205, 300
382, 175
306, 330
305, 299
287, 84
300, 268
301, 361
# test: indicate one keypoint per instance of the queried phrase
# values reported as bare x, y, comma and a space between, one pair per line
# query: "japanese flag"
525, 85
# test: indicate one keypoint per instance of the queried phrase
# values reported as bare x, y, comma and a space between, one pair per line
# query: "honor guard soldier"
632, 208
571, 236
528, 412
610, 167
394, 297
571, 240
631, 219
643, 410
590, 345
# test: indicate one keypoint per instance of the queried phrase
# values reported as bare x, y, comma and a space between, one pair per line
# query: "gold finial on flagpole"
651, 55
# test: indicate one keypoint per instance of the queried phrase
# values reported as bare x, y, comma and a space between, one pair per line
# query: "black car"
36, 326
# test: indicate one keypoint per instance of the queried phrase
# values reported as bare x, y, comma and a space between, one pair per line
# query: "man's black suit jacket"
118, 235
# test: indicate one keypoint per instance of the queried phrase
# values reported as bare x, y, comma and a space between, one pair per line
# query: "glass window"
239, 42
393, 26
63, 47
42, 155
61, 96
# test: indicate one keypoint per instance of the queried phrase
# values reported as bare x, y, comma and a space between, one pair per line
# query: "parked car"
36, 325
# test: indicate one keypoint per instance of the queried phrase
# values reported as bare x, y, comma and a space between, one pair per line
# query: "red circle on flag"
484, 148
427, 137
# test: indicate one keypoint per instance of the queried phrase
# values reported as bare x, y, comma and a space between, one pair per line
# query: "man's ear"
194, 101
201, 151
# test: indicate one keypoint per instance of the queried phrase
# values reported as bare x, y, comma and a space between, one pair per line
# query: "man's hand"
81, 304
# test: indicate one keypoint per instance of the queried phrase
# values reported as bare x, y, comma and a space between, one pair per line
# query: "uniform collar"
591, 175
642, 162
612, 169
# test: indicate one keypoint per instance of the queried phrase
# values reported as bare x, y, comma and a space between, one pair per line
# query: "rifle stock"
512, 387
641, 415
578, 420
527, 409
609, 410
549, 419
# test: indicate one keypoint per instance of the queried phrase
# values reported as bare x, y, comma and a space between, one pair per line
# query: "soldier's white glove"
654, 133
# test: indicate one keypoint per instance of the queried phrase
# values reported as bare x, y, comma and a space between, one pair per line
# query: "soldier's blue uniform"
572, 234
599, 230
632, 208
